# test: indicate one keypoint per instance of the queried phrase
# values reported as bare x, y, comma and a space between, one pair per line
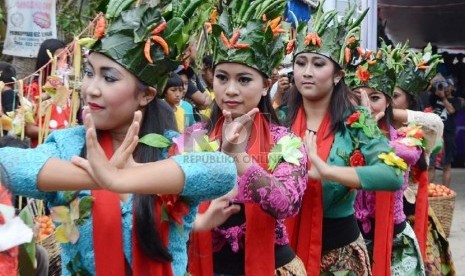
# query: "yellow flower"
391, 159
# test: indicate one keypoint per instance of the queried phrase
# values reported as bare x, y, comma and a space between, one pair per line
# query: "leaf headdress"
249, 33
377, 70
330, 36
146, 40
419, 69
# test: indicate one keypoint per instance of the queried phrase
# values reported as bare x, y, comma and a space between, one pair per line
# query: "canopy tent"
440, 22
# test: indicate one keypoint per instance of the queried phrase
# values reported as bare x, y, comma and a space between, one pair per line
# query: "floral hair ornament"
329, 36
250, 33
376, 70
419, 69
147, 40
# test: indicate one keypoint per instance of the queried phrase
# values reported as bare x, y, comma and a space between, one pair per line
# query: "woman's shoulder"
277, 132
69, 134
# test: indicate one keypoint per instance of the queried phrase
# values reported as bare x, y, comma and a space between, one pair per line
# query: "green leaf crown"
129, 28
328, 35
241, 35
418, 71
377, 70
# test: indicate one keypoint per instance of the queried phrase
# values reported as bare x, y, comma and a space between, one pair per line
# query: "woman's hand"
319, 169
97, 165
123, 158
365, 101
218, 212
236, 132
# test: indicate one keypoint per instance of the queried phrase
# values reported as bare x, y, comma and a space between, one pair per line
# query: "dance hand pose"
344, 152
414, 79
271, 162
119, 234
408, 143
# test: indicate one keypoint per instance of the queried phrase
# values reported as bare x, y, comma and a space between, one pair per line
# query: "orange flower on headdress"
313, 39
232, 43
275, 26
422, 65
99, 31
351, 40
213, 16
362, 74
212, 20
290, 46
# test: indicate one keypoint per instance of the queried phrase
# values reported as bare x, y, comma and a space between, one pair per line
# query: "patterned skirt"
406, 257
293, 268
350, 260
438, 254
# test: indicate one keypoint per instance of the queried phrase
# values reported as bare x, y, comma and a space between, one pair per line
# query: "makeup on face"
238, 88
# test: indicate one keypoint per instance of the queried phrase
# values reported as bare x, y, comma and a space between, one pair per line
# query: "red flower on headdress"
362, 74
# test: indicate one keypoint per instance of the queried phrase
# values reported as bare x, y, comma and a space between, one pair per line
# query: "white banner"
30, 22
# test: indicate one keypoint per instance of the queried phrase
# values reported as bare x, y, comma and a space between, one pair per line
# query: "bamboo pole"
21, 100
39, 111
47, 122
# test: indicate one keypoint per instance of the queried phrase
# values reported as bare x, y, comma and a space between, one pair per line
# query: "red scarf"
260, 230
421, 208
107, 226
384, 229
108, 233
305, 229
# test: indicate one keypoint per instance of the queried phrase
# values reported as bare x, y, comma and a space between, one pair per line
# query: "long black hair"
339, 106
264, 105
158, 118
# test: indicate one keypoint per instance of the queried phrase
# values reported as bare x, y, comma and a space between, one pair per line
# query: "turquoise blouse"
205, 180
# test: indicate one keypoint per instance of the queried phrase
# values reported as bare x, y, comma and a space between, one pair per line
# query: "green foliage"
155, 140
74, 16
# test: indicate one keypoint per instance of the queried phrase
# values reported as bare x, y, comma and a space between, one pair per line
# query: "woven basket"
54, 254
49, 243
443, 207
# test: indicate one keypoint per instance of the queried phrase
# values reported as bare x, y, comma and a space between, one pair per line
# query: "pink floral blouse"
365, 200
278, 193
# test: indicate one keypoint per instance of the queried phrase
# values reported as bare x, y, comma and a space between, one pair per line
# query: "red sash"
200, 252
384, 228
108, 235
421, 209
305, 229
260, 230
384, 231
107, 226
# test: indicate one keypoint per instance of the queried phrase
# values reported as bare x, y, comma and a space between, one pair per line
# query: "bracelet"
312, 131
